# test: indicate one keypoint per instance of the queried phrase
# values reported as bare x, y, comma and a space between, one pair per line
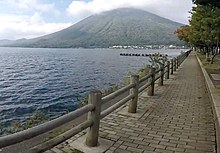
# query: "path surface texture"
177, 119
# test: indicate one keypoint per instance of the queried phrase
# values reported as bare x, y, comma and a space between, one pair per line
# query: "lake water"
55, 80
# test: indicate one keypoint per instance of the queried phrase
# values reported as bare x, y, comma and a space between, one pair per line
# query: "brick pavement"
178, 119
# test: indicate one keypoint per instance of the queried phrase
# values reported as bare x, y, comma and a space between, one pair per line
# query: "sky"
33, 18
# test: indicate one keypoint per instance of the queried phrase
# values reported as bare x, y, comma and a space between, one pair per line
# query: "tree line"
203, 31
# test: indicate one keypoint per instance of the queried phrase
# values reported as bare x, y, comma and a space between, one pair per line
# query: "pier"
142, 54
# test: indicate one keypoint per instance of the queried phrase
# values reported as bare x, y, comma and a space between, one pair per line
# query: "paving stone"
123, 147
157, 146
168, 144
146, 148
175, 149
67, 150
112, 148
136, 150
163, 151
122, 151
55, 150
136, 138
109, 151
130, 144
49, 151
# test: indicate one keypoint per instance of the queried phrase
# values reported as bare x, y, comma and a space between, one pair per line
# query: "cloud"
25, 19
34, 5
24, 26
171, 9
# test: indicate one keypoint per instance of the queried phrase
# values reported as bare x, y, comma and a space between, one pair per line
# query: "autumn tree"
183, 33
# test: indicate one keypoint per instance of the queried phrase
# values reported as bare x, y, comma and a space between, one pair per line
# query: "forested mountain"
125, 26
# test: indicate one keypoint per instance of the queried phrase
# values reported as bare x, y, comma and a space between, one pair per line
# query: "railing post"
171, 72
184, 56
93, 131
177, 62
181, 59
146, 71
160, 83
174, 64
132, 108
168, 70
152, 80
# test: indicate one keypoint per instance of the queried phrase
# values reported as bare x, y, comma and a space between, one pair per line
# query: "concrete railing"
93, 109
215, 103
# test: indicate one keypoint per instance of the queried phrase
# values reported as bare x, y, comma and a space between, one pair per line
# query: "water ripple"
54, 80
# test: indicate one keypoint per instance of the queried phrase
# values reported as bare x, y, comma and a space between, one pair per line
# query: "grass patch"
215, 66
76, 151
218, 92
37, 118
55, 134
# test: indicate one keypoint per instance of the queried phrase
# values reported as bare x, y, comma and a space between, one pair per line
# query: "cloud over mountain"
172, 9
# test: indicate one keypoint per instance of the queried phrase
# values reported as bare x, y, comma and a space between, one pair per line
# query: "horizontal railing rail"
116, 93
42, 128
142, 88
145, 78
59, 139
116, 106
95, 102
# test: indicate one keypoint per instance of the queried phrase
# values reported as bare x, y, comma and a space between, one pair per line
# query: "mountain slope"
5, 42
124, 26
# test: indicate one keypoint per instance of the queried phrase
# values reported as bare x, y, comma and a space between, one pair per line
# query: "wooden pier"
142, 54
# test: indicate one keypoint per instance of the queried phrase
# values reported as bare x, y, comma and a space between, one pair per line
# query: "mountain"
5, 42
125, 26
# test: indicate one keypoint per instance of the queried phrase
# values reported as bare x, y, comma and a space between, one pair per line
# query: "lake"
55, 80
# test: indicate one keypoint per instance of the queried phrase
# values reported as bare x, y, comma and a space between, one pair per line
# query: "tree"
215, 3
205, 23
183, 33
203, 30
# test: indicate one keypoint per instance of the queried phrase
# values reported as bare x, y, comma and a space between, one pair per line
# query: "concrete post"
152, 80
132, 108
181, 59
171, 71
160, 81
168, 70
174, 64
177, 62
93, 131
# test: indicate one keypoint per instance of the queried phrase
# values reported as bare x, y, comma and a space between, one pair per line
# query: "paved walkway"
177, 119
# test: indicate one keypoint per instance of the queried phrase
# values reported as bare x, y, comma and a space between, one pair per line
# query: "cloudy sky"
33, 18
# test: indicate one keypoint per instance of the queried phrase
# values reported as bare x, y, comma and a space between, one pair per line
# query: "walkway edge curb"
215, 102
